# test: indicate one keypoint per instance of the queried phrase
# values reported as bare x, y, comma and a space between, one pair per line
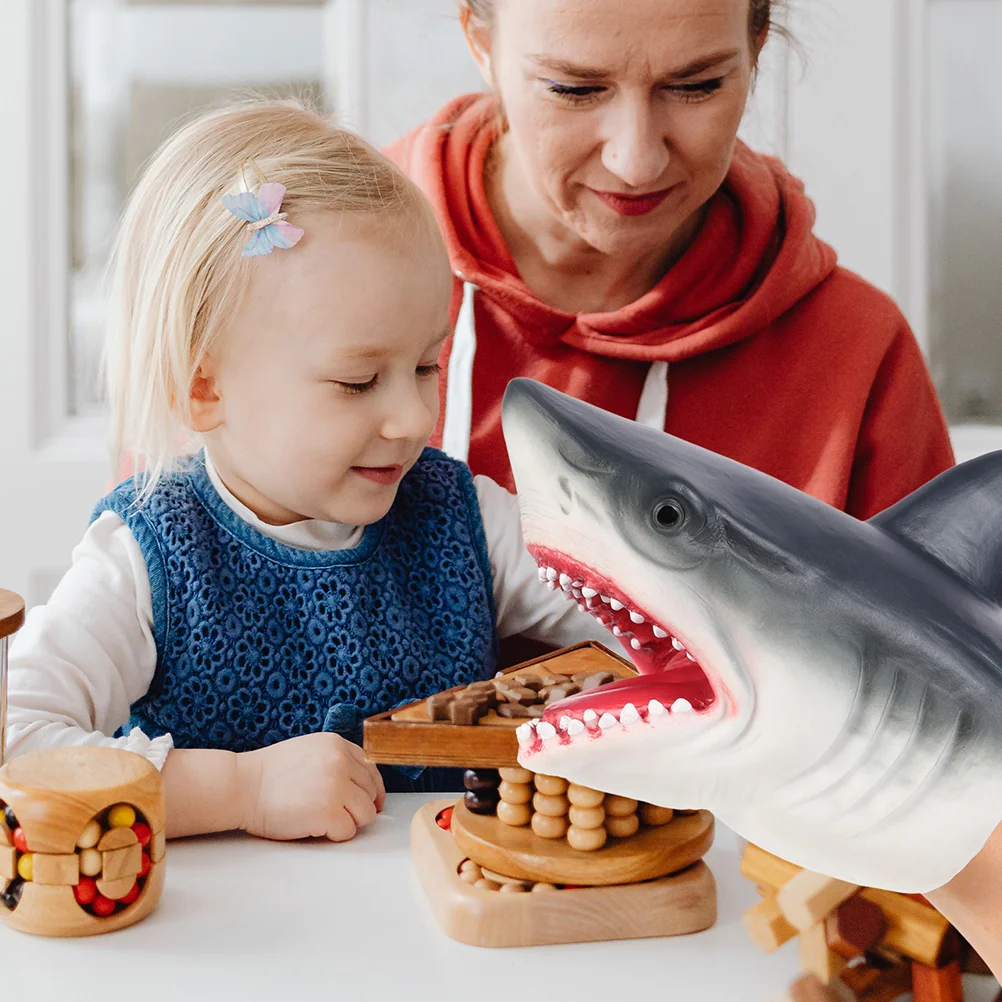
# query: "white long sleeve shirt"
85, 657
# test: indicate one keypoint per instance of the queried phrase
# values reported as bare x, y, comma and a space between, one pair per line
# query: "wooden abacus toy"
856, 943
81, 830
624, 870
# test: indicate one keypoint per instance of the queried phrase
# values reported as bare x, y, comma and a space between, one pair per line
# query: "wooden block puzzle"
864, 944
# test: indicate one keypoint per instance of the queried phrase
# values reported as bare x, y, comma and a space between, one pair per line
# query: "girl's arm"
88, 654
524, 606
83, 659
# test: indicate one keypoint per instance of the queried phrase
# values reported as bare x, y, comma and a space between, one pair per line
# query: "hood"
754, 259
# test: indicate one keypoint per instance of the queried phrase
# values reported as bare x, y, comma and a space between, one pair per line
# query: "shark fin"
957, 520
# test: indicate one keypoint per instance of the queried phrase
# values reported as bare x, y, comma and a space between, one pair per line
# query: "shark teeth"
681, 705
659, 633
655, 708
636, 617
606, 721
616, 605
629, 714
546, 730
677, 644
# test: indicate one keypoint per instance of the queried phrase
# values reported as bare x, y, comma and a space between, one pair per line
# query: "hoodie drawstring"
651, 412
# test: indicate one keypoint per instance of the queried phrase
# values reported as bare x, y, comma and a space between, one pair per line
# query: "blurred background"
890, 111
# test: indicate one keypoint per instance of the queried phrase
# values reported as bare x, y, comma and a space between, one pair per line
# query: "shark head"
787, 652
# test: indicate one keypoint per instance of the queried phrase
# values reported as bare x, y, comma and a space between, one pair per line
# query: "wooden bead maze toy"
82, 838
525, 859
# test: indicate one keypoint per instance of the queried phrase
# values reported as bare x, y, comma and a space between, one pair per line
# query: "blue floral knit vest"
258, 641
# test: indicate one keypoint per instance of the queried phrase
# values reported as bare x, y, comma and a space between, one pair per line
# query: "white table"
257, 921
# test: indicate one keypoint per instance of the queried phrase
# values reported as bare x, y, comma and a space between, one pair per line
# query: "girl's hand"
316, 785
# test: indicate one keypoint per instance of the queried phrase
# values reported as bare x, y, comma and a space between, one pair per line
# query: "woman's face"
622, 115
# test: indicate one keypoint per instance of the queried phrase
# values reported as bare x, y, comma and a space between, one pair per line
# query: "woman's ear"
478, 38
205, 403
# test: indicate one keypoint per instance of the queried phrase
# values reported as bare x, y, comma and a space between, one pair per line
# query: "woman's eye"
697, 91
354, 387
571, 93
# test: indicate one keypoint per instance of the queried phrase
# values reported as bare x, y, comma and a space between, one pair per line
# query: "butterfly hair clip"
261, 210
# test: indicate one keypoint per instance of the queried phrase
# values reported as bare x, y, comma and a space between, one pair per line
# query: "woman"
611, 237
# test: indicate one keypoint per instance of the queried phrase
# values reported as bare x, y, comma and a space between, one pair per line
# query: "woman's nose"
635, 148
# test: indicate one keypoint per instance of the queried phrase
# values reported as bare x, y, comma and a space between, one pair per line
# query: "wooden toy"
489, 861
855, 943
81, 841
82, 838
482, 907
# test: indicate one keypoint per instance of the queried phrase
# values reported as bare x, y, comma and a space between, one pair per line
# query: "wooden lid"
11, 613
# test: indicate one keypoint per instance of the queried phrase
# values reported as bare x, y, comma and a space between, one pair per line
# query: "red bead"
85, 891
103, 906
143, 833
144, 865
444, 819
20, 842
131, 896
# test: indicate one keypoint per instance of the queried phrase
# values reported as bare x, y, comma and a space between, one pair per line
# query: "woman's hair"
761, 14
177, 269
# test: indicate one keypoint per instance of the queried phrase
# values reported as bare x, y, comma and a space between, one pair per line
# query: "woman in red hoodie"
612, 238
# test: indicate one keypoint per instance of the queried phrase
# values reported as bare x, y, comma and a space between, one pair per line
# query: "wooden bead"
546, 826
651, 814
622, 827
619, 807
586, 839
90, 836
586, 818
855, 927
543, 888
512, 888
515, 793
480, 803
117, 838
554, 807
121, 816
90, 862
479, 780
472, 875
514, 815
57, 870
552, 786
26, 866
486, 885
584, 796
516, 775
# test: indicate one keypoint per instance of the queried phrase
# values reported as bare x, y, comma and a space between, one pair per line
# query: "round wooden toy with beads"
533, 827
82, 841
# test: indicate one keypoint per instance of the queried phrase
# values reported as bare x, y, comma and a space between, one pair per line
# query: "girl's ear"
478, 38
205, 404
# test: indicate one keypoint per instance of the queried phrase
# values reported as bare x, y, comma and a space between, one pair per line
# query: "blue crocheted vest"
258, 641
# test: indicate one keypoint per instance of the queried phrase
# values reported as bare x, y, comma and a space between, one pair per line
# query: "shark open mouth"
671, 683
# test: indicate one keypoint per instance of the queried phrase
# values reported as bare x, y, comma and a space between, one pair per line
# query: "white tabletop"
257, 921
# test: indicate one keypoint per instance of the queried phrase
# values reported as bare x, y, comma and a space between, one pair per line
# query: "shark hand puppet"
830, 688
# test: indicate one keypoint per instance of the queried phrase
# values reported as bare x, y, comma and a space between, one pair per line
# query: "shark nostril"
565, 486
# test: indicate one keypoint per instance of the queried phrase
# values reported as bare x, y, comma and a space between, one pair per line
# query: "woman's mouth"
380, 474
632, 205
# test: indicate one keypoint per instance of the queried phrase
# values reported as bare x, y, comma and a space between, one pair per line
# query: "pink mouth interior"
667, 675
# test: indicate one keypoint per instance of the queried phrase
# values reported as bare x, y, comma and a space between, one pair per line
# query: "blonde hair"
177, 268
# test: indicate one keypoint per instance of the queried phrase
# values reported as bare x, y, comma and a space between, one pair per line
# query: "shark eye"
669, 514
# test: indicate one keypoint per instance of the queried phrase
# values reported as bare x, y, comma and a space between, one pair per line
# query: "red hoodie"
777, 357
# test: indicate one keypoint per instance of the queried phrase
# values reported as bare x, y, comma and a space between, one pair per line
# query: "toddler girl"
280, 295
